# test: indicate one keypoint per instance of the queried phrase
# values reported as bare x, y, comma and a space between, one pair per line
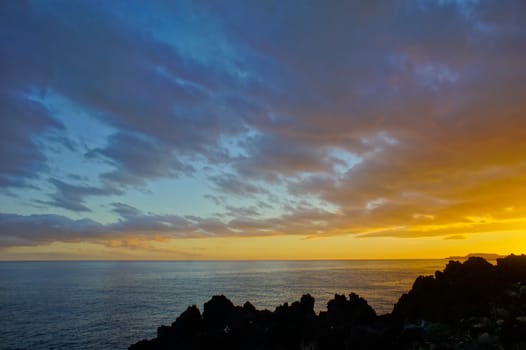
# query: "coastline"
468, 305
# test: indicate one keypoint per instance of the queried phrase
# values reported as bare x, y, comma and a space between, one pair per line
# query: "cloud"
19, 230
133, 225
21, 122
125, 210
455, 237
242, 211
399, 119
136, 158
234, 185
72, 197
159, 99
272, 157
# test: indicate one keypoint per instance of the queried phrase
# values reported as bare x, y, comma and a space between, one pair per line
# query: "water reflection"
109, 305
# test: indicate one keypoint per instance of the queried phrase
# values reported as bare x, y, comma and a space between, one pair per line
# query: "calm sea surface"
110, 305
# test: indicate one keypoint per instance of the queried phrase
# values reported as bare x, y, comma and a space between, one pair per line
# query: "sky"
262, 129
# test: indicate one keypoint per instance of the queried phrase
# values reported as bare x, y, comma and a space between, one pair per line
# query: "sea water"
112, 304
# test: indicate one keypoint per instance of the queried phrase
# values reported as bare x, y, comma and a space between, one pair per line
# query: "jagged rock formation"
470, 305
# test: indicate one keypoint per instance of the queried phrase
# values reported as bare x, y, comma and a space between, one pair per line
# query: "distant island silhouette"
469, 305
487, 256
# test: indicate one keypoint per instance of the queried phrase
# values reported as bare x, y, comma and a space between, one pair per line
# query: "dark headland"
468, 305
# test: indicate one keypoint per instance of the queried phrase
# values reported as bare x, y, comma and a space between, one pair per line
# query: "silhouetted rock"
512, 269
189, 322
354, 311
217, 311
469, 305
462, 290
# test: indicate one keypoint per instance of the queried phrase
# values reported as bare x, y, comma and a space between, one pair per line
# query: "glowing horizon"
198, 130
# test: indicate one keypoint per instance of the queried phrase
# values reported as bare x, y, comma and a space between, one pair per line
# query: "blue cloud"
72, 197
22, 121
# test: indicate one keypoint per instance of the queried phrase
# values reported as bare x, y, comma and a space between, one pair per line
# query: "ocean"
112, 304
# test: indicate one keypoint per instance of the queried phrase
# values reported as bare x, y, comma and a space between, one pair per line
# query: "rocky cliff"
469, 305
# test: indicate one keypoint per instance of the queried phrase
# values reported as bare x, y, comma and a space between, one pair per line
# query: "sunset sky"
262, 129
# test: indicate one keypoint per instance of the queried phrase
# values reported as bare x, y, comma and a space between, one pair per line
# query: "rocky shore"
469, 305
